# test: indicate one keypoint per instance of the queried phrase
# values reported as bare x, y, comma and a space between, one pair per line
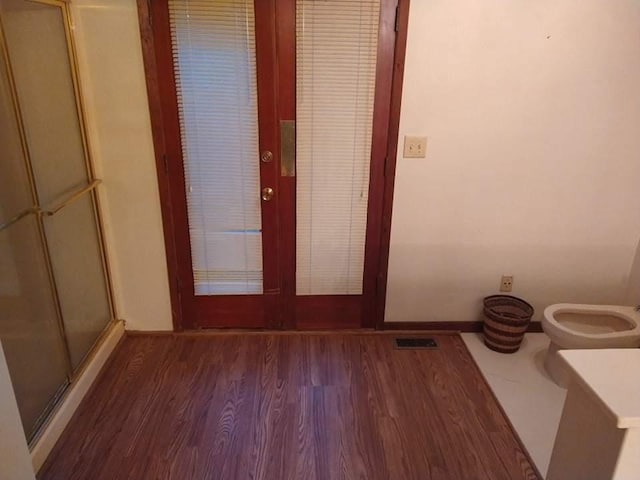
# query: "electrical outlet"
506, 284
415, 147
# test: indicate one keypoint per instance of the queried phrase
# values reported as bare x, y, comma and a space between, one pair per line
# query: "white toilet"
574, 326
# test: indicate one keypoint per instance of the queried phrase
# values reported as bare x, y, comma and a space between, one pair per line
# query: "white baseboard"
73, 396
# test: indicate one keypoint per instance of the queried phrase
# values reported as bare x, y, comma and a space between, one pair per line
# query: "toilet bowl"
575, 326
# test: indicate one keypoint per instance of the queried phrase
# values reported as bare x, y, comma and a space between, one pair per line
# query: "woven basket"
506, 319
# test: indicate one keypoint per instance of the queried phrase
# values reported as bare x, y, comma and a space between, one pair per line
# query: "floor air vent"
415, 343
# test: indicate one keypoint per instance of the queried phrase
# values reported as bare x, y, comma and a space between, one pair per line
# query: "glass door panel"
29, 326
215, 73
39, 54
78, 269
336, 52
15, 196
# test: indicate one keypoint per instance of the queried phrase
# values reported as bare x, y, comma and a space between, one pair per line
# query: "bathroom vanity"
599, 433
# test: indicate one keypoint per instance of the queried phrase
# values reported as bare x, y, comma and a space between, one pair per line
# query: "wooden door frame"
388, 181
382, 177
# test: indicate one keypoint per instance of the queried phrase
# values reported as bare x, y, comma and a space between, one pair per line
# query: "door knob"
267, 193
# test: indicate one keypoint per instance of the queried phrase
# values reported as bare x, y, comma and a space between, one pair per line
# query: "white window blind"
215, 67
336, 46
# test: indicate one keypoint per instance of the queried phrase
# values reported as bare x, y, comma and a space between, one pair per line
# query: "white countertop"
613, 376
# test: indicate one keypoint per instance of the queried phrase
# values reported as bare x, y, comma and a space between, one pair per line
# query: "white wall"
112, 76
15, 461
532, 110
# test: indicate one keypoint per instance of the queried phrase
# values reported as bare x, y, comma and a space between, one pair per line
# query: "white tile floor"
528, 396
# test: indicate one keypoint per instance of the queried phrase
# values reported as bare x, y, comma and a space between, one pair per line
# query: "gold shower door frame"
43, 211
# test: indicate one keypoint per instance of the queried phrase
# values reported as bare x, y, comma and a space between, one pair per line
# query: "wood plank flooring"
288, 406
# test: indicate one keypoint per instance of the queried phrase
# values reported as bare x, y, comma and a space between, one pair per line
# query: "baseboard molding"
448, 326
73, 396
150, 333
535, 327
435, 326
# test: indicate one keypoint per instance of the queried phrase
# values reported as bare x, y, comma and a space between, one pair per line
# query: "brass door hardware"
288, 148
266, 156
267, 193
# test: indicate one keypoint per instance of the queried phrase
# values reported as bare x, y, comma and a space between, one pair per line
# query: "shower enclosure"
55, 296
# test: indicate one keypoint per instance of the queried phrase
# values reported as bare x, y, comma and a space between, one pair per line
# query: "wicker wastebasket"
506, 319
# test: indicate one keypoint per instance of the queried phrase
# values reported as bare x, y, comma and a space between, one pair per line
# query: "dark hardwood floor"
288, 406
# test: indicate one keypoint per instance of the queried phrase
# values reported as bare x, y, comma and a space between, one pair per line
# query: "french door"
274, 125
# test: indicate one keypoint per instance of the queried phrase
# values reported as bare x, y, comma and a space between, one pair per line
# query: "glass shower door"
51, 252
29, 327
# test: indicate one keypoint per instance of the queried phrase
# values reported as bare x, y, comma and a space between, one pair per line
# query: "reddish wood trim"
172, 164
473, 326
157, 129
269, 131
390, 170
381, 136
435, 326
261, 331
245, 311
285, 38
152, 333
535, 327
328, 312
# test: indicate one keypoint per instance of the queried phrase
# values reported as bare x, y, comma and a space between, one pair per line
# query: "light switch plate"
415, 147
